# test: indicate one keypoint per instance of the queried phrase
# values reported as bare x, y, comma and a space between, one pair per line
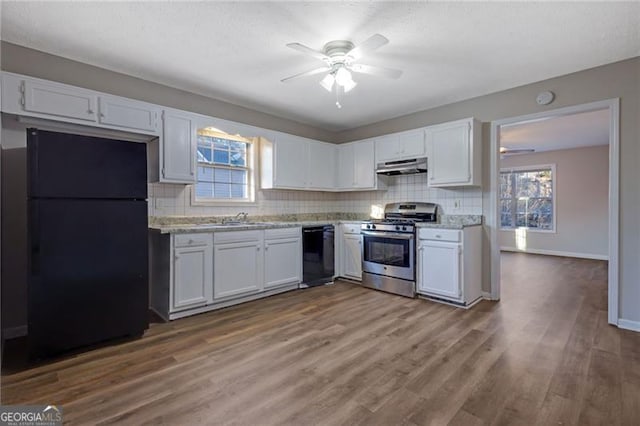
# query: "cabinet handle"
190, 241
176, 256
266, 247
438, 236
257, 248
89, 111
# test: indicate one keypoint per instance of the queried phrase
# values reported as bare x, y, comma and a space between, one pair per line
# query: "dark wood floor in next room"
343, 354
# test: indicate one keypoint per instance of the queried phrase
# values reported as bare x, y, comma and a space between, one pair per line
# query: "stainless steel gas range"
389, 247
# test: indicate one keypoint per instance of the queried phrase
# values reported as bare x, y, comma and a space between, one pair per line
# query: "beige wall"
617, 80
582, 202
38, 64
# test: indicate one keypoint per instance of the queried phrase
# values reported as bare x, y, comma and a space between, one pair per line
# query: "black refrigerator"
88, 250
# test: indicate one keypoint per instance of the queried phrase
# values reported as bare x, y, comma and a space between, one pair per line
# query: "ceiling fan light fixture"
327, 82
343, 76
350, 84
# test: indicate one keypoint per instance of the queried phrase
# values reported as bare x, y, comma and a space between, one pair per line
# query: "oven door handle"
392, 235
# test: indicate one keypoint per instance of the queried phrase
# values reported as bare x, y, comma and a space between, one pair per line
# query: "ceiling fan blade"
504, 150
369, 45
307, 73
308, 51
379, 71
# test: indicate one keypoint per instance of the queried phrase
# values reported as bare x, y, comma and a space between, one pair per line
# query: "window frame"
554, 180
252, 161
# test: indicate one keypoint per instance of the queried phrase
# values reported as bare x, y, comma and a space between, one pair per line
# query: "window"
527, 198
224, 167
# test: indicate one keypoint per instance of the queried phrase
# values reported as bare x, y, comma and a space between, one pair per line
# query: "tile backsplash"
175, 200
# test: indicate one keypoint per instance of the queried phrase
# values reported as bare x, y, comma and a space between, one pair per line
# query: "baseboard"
13, 332
558, 253
629, 325
487, 295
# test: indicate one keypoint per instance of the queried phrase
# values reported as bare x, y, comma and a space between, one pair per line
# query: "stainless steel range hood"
402, 167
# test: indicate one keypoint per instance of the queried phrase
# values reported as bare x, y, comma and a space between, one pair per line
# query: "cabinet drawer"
191, 240
440, 234
270, 234
236, 236
351, 228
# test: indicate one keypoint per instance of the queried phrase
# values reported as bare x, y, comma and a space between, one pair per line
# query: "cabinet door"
364, 164
59, 100
321, 166
129, 114
412, 144
439, 269
449, 154
352, 256
178, 148
346, 172
282, 262
192, 277
291, 157
238, 269
387, 148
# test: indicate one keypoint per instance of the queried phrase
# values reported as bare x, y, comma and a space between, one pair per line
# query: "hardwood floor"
343, 354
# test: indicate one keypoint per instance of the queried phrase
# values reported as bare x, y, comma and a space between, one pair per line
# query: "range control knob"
404, 228
373, 227
398, 227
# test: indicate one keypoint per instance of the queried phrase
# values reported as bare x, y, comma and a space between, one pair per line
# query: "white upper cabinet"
290, 162
59, 100
35, 97
177, 151
134, 115
321, 165
293, 162
455, 153
364, 165
400, 146
356, 166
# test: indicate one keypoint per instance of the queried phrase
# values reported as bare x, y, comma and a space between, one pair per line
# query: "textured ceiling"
565, 132
236, 51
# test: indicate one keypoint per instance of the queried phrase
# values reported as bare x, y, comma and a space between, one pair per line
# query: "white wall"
582, 202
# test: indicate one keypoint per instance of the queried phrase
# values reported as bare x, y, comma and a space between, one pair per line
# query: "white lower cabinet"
192, 271
238, 266
282, 257
449, 264
440, 266
352, 256
197, 272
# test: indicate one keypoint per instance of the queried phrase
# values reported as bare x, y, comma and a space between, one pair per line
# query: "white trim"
12, 332
486, 295
629, 325
493, 224
557, 253
536, 168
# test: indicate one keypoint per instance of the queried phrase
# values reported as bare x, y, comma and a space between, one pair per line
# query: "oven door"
388, 253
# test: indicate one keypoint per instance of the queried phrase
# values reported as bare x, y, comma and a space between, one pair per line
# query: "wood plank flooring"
342, 354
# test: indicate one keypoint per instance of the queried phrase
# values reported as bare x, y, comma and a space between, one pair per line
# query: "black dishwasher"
317, 255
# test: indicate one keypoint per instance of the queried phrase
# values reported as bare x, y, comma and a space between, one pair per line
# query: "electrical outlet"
457, 205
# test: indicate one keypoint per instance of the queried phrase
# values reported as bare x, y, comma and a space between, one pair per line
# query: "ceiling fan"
340, 59
510, 151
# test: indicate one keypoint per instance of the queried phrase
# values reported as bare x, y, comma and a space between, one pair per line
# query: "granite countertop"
178, 225
187, 228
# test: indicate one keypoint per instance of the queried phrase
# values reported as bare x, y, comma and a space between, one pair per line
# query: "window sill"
530, 230
222, 203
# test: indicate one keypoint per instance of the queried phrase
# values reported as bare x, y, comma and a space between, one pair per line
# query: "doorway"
541, 216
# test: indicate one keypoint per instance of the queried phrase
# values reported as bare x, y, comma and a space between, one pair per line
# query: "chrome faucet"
242, 217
